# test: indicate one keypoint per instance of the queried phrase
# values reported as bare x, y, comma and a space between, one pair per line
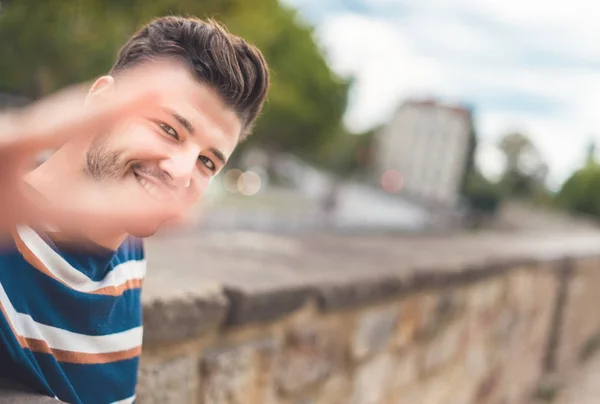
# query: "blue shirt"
70, 318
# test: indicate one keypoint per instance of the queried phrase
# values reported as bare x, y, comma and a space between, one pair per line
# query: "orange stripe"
32, 259
119, 289
60, 355
36, 345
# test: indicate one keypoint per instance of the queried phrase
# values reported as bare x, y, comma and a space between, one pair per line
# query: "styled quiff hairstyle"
236, 70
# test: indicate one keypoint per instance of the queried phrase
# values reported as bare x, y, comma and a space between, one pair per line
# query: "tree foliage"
45, 45
581, 192
525, 171
349, 154
481, 194
523, 177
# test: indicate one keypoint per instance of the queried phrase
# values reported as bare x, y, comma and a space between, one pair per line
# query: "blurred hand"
51, 122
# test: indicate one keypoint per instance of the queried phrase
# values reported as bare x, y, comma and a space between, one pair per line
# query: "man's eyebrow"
183, 122
219, 155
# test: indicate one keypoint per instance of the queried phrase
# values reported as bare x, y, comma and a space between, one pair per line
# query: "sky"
526, 65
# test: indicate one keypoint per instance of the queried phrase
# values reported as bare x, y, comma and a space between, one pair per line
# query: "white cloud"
526, 64
383, 62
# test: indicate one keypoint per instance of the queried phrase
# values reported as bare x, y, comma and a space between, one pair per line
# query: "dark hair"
235, 69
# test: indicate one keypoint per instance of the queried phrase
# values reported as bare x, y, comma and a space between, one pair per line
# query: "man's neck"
61, 181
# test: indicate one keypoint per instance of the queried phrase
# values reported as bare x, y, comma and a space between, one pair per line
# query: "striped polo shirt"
71, 320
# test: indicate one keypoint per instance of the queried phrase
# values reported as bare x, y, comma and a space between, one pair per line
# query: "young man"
135, 155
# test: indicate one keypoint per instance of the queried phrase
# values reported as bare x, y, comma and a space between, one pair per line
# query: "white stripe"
57, 338
63, 271
126, 401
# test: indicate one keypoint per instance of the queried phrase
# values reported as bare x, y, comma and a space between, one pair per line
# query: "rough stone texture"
581, 322
437, 311
475, 326
238, 374
409, 322
373, 380
171, 381
384, 377
405, 371
445, 348
336, 390
449, 386
584, 388
508, 336
312, 353
373, 331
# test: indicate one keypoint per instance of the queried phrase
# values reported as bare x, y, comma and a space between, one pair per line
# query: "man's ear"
105, 85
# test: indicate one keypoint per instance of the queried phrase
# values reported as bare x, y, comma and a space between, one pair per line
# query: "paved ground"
358, 207
585, 387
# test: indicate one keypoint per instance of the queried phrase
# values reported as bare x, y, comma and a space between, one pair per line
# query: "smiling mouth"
150, 187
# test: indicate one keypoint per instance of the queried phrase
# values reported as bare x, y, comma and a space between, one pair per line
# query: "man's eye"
208, 163
169, 130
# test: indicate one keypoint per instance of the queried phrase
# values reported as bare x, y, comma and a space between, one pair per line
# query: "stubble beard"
102, 163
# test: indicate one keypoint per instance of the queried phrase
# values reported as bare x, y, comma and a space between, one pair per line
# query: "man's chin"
165, 226
143, 231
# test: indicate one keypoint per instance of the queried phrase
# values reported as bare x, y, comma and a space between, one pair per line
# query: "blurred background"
384, 115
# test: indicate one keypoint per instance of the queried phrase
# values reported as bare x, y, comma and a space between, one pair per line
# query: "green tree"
348, 154
515, 146
581, 192
482, 195
525, 172
45, 45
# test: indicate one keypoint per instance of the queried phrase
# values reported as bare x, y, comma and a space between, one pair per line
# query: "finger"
100, 217
52, 121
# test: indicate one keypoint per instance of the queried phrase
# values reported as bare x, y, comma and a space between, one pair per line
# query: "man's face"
166, 157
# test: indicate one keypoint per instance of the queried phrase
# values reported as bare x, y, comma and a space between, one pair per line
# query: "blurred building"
426, 146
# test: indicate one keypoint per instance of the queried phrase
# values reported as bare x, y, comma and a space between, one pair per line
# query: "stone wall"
579, 331
467, 320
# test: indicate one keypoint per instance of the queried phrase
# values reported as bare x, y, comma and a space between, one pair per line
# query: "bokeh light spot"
249, 183
392, 181
230, 180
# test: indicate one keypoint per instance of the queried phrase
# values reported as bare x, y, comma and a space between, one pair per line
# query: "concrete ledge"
184, 317
177, 304
345, 294
261, 306
267, 277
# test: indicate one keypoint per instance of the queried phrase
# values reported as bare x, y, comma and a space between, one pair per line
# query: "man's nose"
181, 166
